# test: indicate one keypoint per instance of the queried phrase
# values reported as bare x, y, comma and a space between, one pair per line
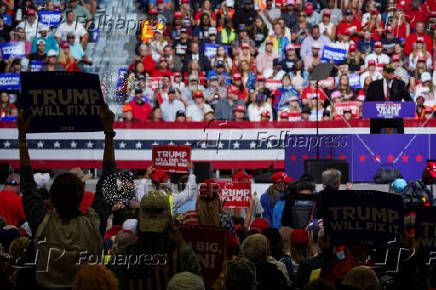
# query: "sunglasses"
302, 15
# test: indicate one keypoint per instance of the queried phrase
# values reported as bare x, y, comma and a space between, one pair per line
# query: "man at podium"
387, 89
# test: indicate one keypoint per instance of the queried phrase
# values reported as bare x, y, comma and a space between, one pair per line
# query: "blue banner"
362, 217
36, 65
9, 81
62, 101
364, 153
333, 53
50, 18
388, 110
14, 49
211, 48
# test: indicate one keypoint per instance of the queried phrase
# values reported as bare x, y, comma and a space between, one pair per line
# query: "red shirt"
158, 73
353, 26
400, 30
411, 39
141, 112
374, 34
88, 198
147, 61
11, 207
311, 91
413, 16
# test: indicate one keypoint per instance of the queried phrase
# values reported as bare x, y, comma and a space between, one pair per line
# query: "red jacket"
147, 61
411, 39
353, 26
88, 198
11, 207
413, 16
158, 73
141, 112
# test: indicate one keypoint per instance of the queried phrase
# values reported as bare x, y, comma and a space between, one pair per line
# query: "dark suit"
203, 60
397, 93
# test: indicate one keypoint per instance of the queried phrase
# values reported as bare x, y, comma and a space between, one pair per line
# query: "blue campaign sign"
9, 81
36, 65
362, 217
335, 54
62, 101
50, 18
388, 110
211, 48
354, 80
14, 49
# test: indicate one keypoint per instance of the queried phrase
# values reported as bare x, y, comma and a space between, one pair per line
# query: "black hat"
138, 91
219, 63
306, 110
276, 61
180, 113
326, 113
171, 91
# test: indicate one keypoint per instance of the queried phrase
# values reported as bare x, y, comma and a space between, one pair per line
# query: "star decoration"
236, 145
220, 145
73, 144
405, 158
269, 144
342, 157
376, 158
390, 158
305, 157
362, 158
329, 157
56, 145
138, 145
293, 158
187, 143
122, 145
252, 145
418, 158
90, 144
203, 145
40, 144
155, 143
7, 144
171, 143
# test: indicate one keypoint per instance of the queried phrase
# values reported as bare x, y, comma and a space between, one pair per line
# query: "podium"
388, 115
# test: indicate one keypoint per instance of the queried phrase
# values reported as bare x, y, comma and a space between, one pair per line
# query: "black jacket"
397, 92
204, 62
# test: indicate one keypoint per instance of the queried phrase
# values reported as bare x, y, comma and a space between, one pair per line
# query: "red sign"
209, 244
343, 106
273, 85
294, 116
328, 83
171, 158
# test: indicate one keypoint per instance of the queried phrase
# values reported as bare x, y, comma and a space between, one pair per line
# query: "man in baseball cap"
239, 113
377, 55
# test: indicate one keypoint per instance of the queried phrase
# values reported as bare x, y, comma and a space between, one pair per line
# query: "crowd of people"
252, 60
53, 46
61, 236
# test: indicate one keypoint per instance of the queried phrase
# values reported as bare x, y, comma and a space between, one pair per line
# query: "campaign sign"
171, 158
362, 217
209, 244
50, 18
62, 101
36, 65
211, 48
9, 81
344, 106
354, 80
333, 54
388, 110
273, 85
425, 228
236, 194
14, 49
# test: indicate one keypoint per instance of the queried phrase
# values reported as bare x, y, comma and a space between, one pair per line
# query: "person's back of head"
255, 248
186, 281
305, 187
95, 277
240, 275
331, 178
66, 193
13, 183
320, 284
362, 277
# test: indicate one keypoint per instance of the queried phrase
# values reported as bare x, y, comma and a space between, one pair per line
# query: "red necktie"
387, 91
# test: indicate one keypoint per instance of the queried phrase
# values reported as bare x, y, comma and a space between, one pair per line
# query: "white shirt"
254, 112
169, 110
76, 28
196, 113
385, 87
323, 27
269, 74
376, 76
379, 59
30, 30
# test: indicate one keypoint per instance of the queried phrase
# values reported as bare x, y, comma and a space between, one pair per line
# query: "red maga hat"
281, 176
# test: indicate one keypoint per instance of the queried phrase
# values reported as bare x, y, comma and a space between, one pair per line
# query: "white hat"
51, 52
130, 225
316, 44
41, 179
425, 77
40, 41
44, 28
212, 30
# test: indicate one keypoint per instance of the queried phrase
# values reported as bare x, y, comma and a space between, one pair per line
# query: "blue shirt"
212, 73
265, 201
77, 51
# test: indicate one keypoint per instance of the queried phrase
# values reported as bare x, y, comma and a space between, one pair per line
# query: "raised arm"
33, 203
109, 166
